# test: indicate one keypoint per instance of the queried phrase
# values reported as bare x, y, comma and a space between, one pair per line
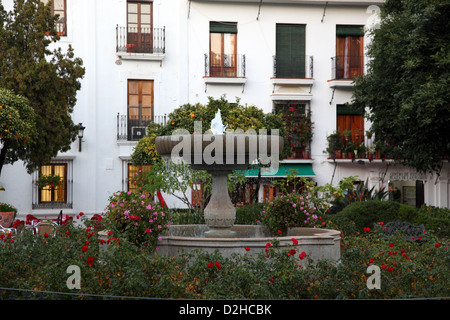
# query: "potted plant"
347, 134
334, 145
370, 151
131, 47
7, 214
349, 149
361, 149
50, 181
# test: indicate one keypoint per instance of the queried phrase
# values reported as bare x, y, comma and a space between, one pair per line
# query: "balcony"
225, 69
295, 69
133, 128
293, 80
344, 69
141, 43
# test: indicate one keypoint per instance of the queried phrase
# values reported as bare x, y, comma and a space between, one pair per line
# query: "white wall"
179, 79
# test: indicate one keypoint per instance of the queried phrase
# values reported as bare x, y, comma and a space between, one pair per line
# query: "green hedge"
359, 215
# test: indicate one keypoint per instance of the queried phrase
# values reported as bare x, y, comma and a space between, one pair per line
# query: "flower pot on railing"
131, 47
48, 181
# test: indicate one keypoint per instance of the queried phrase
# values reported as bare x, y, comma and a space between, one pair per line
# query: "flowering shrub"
290, 210
408, 269
137, 217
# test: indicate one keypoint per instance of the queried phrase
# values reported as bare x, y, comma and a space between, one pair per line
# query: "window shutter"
290, 51
222, 27
346, 109
346, 30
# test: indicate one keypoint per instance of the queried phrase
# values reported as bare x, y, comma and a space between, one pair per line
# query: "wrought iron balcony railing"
140, 40
347, 67
297, 68
225, 66
133, 128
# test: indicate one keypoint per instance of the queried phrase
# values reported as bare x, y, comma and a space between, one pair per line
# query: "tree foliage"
234, 115
406, 88
48, 79
17, 120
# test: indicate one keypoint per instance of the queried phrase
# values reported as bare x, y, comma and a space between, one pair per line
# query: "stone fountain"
219, 153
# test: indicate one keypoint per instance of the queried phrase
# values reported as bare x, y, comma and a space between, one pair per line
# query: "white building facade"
145, 58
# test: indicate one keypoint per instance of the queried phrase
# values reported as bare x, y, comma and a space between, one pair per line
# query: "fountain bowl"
317, 243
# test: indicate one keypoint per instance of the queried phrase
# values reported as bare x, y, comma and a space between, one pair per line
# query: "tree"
48, 79
406, 87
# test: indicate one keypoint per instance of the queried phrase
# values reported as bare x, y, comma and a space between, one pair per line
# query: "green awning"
301, 169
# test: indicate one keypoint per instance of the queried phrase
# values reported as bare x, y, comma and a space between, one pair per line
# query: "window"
349, 51
133, 175
350, 119
223, 54
54, 197
290, 51
59, 8
140, 107
139, 26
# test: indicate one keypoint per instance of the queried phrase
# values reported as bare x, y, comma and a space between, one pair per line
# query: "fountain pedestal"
220, 213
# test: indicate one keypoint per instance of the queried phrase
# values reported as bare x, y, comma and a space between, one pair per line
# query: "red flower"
90, 261
46, 235
247, 249
68, 233
85, 248
294, 241
391, 244
218, 265
437, 245
292, 252
279, 231
302, 255
384, 266
210, 265
268, 244
390, 269
366, 229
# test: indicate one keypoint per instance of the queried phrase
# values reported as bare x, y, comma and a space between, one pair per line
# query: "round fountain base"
317, 243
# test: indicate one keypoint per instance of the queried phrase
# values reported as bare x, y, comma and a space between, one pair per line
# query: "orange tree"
17, 125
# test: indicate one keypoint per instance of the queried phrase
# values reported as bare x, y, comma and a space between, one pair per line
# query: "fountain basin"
317, 243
